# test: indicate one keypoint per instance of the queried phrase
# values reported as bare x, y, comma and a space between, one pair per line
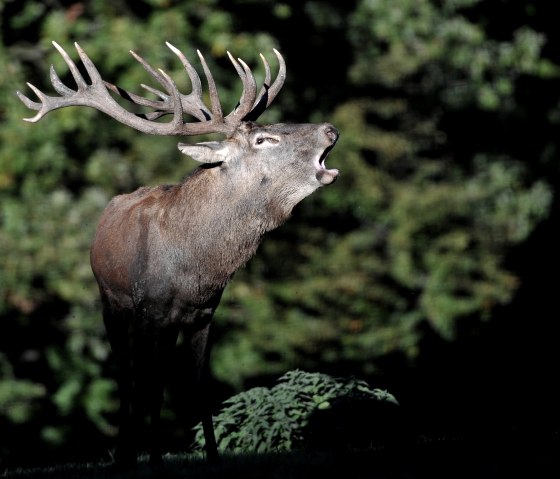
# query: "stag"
163, 255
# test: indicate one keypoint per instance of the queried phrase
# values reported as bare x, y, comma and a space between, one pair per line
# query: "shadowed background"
427, 269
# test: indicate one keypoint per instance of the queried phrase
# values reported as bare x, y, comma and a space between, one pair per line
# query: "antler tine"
267, 78
268, 92
192, 103
249, 90
140, 100
162, 106
280, 78
178, 107
217, 112
60, 87
78, 78
196, 84
33, 105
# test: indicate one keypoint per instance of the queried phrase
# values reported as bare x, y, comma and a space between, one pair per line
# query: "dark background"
427, 269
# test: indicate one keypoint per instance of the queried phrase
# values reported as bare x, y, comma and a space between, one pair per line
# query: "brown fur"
162, 256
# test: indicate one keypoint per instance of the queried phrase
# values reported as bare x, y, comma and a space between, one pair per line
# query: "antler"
171, 101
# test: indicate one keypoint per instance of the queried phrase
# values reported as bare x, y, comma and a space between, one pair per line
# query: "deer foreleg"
152, 348
117, 327
165, 341
201, 353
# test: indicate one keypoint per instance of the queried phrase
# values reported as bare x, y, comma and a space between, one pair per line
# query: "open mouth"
324, 155
324, 175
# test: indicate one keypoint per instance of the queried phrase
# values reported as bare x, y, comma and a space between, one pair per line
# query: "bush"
291, 415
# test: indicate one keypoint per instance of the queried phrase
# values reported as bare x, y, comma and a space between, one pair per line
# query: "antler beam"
97, 95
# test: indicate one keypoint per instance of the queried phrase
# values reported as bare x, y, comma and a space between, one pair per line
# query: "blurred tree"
56, 178
447, 112
429, 202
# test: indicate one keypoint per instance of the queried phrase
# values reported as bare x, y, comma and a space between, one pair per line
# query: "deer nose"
331, 132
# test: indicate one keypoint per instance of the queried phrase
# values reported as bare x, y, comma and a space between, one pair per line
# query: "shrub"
290, 415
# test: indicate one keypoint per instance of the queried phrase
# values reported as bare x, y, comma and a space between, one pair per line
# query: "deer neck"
230, 217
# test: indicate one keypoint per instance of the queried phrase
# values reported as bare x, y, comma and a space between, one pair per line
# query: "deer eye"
261, 139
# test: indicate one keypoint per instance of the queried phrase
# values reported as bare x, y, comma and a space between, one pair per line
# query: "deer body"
162, 256
181, 244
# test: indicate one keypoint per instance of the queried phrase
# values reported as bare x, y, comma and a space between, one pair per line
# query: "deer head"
242, 134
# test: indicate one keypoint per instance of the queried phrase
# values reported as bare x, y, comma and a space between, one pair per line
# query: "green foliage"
448, 160
275, 420
430, 200
454, 55
55, 179
18, 397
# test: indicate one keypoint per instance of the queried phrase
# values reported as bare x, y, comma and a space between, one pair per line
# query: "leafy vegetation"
277, 419
437, 232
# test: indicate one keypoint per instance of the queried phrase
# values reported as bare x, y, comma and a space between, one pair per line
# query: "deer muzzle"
324, 175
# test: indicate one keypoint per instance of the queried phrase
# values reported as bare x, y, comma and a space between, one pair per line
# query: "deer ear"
206, 151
